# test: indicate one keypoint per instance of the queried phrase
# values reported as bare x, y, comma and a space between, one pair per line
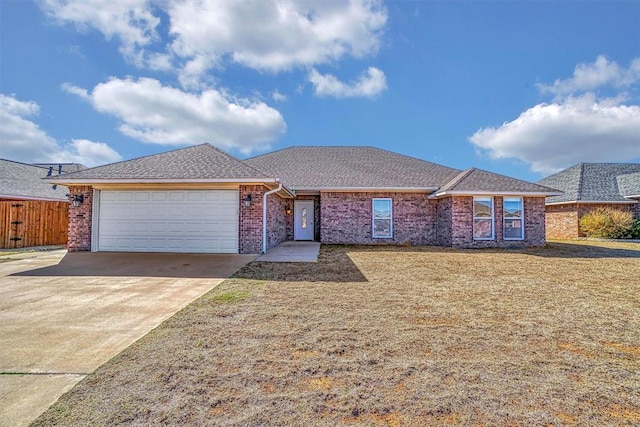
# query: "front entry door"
303, 220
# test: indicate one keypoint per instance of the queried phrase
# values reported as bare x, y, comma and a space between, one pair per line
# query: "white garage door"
168, 221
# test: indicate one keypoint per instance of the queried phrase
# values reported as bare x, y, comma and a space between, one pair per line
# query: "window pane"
382, 227
304, 217
482, 229
513, 229
482, 207
512, 208
382, 209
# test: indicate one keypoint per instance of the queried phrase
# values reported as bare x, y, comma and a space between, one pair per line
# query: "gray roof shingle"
629, 184
592, 182
327, 167
480, 181
23, 181
199, 162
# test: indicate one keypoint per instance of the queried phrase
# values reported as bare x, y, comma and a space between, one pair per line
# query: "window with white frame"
382, 218
482, 218
513, 218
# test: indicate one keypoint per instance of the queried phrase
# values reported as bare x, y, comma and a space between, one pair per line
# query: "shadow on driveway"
125, 264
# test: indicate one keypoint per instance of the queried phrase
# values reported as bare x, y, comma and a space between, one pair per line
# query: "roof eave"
593, 202
80, 181
46, 199
367, 189
495, 193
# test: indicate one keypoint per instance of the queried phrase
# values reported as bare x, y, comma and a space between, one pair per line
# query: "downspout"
264, 215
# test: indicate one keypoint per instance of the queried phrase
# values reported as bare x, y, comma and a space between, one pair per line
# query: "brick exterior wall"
80, 218
250, 220
563, 221
277, 220
444, 230
455, 223
347, 218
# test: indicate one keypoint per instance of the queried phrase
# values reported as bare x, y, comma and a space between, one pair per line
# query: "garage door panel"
169, 221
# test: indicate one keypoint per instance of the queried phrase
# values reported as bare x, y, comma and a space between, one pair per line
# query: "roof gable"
200, 163
23, 181
593, 182
345, 167
478, 181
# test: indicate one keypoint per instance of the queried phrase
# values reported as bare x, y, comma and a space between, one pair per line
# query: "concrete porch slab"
292, 251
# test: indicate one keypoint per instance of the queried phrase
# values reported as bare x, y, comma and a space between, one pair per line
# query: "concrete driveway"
63, 315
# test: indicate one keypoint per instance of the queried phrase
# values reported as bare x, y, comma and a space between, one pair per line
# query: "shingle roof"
629, 184
592, 182
21, 181
199, 162
328, 167
480, 181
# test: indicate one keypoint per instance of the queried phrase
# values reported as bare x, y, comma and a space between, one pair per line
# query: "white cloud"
368, 84
266, 35
275, 35
131, 21
88, 153
278, 97
24, 141
153, 113
553, 136
578, 126
588, 77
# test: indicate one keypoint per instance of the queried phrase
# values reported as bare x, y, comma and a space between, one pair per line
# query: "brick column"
80, 220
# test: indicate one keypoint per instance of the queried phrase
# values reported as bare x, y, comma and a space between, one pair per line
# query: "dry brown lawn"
390, 336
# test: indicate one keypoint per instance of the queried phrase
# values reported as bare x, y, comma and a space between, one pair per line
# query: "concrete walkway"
63, 315
292, 251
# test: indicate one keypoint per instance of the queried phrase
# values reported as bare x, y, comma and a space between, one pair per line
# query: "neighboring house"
201, 199
587, 186
60, 168
33, 212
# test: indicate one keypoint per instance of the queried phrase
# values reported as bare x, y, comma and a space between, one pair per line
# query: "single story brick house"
201, 199
587, 186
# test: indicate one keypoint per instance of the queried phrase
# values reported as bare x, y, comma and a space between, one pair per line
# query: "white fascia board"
637, 196
46, 199
69, 181
367, 189
593, 202
494, 193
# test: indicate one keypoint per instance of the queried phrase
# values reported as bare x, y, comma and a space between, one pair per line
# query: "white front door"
303, 220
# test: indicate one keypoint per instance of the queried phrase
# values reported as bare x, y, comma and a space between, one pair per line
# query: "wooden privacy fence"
25, 223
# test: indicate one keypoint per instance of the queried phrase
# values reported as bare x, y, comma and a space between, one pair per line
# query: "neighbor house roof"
348, 167
595, 182
23, 181
199, 163
477, 181
59, 168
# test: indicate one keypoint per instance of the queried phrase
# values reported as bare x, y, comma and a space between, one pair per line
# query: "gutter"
495, 193
264, 215
592, 202
60, 179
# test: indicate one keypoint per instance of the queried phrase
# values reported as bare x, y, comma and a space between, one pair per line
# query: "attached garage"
193, 221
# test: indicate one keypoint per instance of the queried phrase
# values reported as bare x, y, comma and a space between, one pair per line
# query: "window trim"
521, 218
373, 218
491, 219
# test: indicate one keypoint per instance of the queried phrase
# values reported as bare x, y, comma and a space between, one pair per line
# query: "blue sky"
522, 88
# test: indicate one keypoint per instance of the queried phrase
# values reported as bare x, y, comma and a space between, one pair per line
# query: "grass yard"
390, 336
